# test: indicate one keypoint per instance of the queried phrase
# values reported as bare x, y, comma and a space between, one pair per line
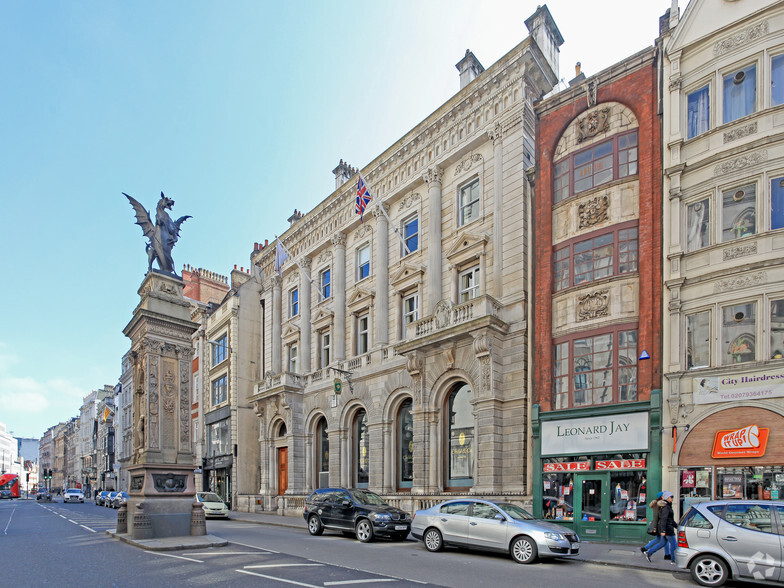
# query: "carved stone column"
432, 178
339, 241
496, 135
305, 335
277, 343
382, 276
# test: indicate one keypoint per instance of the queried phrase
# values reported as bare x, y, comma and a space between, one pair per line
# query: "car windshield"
73, 491
516, 512
209, 497
367, 497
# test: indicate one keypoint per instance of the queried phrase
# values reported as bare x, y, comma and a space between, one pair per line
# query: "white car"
213, 505
73, 495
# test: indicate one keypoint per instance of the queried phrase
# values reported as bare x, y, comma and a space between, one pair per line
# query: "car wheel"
433, 540
709, 570
314, 525
364, 531
523, 550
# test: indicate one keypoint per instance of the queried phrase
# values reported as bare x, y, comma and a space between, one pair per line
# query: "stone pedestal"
161, 492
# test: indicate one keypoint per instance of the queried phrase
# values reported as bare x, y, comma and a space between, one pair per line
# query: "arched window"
282, 430
361, 449
405, 445
322, 454
460, 437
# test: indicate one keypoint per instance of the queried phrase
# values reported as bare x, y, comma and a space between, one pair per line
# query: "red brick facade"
637, 90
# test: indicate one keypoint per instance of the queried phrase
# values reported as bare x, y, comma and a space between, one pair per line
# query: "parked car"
120, 499
6, 495
108, 500
494, 526
43, 495
213, 505
738, 539
100, 497
73, 495
356, 511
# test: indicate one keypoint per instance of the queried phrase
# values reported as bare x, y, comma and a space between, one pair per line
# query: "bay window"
601, 256
739, 325
740, 93
739, 212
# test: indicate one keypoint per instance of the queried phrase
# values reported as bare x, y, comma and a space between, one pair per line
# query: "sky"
238, 111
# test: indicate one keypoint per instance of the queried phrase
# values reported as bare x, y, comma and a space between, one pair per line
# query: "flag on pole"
281, 255
363, 197
106, 413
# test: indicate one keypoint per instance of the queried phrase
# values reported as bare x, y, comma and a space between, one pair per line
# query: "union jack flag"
363, 197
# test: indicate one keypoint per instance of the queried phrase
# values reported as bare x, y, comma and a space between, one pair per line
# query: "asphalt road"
66, 545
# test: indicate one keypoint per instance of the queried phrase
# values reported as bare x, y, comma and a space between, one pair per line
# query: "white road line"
254, 547
225, 553
260, 566
176, 556
277, 579
72, 521
365, 581
5, 531
88, 528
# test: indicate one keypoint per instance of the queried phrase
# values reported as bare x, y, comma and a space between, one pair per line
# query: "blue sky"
238, 111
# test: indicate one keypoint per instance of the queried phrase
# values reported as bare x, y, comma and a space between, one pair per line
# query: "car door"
485, 530
453, 519
748, 534
342, 514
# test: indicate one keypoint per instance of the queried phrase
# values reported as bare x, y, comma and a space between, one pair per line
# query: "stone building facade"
386, 359
597, 303
723, 84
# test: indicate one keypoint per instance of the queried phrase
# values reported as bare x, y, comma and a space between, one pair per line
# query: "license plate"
400, 527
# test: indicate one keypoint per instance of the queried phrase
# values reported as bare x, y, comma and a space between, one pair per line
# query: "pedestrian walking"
654, 505
665, 528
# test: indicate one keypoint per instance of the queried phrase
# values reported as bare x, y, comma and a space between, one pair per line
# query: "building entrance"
591, 510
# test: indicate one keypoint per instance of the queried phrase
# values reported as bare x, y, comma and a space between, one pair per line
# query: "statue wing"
142, 217
177, 224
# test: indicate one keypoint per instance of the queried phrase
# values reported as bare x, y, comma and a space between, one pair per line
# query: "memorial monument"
161, 500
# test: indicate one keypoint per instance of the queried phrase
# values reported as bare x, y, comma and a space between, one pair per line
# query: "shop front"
596, 474
736, 453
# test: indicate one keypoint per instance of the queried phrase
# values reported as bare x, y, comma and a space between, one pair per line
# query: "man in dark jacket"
665, 527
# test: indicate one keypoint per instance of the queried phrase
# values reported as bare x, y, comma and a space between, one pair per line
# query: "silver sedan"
492, 526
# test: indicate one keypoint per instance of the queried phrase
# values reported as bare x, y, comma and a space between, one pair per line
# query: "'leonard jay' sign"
617, 432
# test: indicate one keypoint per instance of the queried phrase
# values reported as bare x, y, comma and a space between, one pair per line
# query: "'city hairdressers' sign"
618, 432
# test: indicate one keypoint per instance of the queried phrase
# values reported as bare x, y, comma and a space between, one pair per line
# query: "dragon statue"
162, 235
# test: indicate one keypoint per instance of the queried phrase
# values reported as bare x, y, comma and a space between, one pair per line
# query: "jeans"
658, 542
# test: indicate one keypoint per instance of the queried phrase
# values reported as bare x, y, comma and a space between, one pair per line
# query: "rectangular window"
363, 334
468, 203
561, 375
698, 340
777, 80
698, 112
293, 351
777, 203
410, 311
469, 284
220, 349
740, 93
627, 251
738, 332
739, 212
593, 167
777, 329
220, 389
599, 257
698, 225
592, 370
324, 284
627, 366
324, 349
293, 303
363, 262
593, 259
561, 181
561, 262
627, 155
218, 439
410, 230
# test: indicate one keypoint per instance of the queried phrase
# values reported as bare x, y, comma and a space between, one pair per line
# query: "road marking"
88, 528
256, 567
225, 553
72, 521
176, 556
255, 547
5, 531
365, 581
277, 579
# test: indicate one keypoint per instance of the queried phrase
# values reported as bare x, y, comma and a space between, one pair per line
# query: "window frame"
325, 347
736, 350
361, 442
405, 445
321, 447
361, 266
408, 238
220, 350
404, 313
776, 209
731, 193
728, 75
698, 130
780, 57
687, 321
468, 186
564, 190
219, 390
702, 225
293, 356
363, 334
293, 302
325, 283
464, 294
455, 482
564, 367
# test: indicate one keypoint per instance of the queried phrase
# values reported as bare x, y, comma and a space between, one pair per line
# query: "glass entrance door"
591, 506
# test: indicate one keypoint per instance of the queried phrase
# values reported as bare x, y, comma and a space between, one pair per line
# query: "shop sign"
749, 441
620, 464
748, 386
617, 432
569, 466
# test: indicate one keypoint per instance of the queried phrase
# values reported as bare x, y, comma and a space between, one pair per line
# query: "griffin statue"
162, 235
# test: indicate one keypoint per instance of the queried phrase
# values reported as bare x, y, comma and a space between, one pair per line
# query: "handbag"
652, 528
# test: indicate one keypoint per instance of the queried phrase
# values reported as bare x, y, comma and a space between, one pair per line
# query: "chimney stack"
469, 68
343, 173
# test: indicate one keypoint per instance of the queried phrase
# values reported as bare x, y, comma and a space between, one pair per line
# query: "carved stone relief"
594, 211
433, 175
467, 163
741, 162
593, 305
741, 38
740, 282
185, 417
324, 257
740, 132
169, 391
595, 122
740, 251
409, 200
363, 230
153, 440
443, 314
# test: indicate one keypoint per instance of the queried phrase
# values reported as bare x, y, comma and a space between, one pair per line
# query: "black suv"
356, 511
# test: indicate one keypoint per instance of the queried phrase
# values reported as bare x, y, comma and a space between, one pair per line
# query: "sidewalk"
613, 554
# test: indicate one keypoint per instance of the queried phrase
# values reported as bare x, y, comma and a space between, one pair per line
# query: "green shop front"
597, 470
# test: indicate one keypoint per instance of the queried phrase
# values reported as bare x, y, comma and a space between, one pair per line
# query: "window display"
629, 495
557, 497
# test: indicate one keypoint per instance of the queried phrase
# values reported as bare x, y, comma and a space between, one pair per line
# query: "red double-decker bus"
10, 482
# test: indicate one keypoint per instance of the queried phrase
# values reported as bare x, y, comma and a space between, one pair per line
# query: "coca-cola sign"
749, 441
